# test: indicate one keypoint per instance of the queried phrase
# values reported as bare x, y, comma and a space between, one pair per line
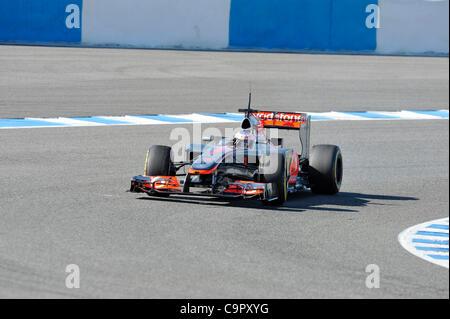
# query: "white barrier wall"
413, 26
366, 26
157, 23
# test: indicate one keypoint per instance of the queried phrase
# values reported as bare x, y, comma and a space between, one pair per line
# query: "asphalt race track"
49, 82
63, 196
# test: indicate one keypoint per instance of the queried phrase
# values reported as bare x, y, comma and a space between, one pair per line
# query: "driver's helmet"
244, 136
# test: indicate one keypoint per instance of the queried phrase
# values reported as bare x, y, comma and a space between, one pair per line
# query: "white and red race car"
248, 165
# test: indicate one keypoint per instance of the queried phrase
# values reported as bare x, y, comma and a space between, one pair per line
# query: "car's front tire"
159, 163
275, 173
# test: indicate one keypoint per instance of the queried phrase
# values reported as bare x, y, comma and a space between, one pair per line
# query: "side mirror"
208, 138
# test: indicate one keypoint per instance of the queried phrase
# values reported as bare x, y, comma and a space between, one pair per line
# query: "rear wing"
290, 121
281, 120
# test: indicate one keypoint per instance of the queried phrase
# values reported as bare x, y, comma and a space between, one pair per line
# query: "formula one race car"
248, 165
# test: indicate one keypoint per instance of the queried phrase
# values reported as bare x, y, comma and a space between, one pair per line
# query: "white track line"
213, 118
407, 115
135, 120
340, 116
200, 118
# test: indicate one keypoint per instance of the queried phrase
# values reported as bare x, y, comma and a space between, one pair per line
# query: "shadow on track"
343, 202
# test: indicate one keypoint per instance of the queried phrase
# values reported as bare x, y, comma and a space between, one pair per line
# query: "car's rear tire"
159, 163
325, 169
276, 175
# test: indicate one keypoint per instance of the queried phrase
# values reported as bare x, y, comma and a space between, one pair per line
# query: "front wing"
154, 185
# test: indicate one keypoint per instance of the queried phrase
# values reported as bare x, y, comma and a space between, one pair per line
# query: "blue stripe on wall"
301, 24
38, 21
348, 29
